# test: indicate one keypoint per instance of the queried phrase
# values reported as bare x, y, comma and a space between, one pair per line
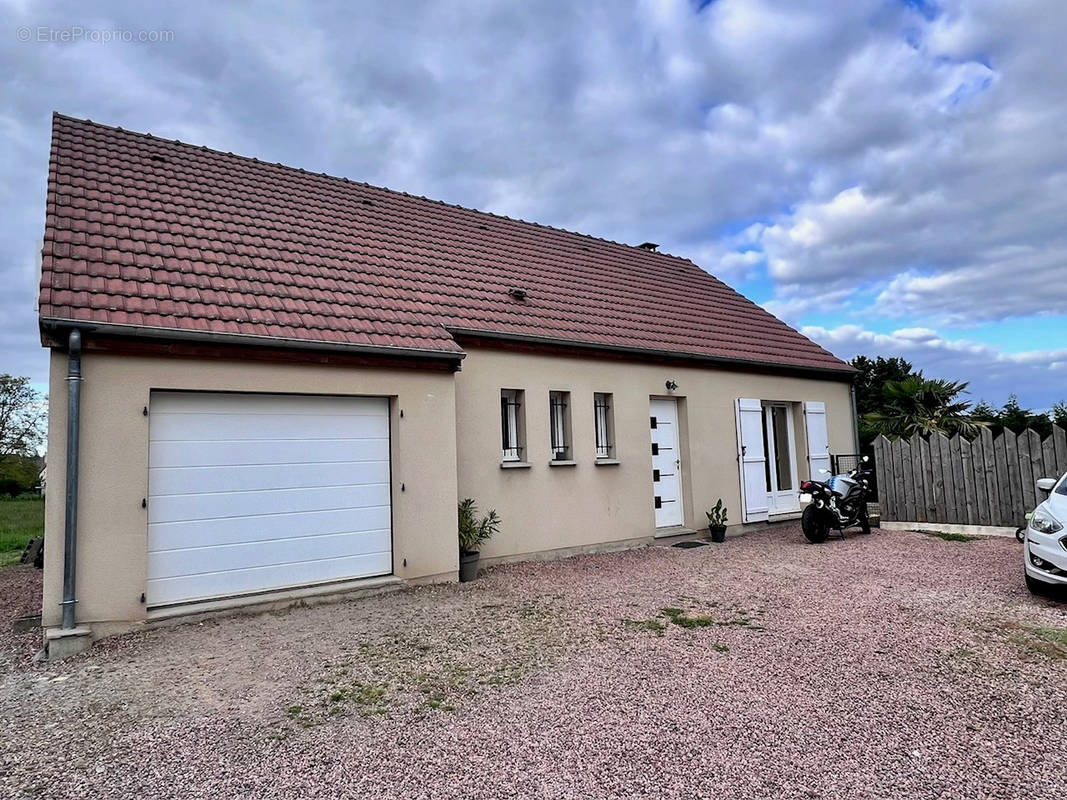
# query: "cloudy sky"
889, 176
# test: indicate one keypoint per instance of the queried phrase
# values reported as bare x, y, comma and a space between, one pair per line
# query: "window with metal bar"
559, 425
603, 425
512, 429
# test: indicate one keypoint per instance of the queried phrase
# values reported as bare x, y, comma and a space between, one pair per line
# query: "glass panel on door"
779, 449
783, 471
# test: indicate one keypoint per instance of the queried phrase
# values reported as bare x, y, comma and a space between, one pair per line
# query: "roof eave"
181, 335
842, 373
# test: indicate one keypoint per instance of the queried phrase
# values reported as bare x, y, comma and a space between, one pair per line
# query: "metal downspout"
70, 534
855, 417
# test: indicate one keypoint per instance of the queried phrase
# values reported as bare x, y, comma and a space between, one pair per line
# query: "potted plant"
717, 522
473, 533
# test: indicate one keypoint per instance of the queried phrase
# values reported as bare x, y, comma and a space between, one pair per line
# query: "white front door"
779, 450
666, 463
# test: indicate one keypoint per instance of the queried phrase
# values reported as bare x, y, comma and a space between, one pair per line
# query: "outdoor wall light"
671, 385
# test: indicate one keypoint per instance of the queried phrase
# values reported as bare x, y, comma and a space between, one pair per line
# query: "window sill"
514, 465
562, 463
607, 462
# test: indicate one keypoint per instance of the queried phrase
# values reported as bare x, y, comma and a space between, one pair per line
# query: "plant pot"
718, 533
468, 566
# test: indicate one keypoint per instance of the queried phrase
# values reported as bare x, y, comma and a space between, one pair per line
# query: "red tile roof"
149, 233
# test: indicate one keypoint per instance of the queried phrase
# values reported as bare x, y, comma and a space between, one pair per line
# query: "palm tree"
924, 406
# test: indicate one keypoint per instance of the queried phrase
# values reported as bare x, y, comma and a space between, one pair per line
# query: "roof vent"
517, 293
159, 158
367, 202
649, 246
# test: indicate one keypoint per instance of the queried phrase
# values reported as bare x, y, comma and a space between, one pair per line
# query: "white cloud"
955, 209
794, 306
1039, 377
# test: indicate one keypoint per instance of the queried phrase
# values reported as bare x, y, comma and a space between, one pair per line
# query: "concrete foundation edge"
945, 527
60, 643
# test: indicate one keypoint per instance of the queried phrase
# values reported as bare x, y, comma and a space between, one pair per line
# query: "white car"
1045, 548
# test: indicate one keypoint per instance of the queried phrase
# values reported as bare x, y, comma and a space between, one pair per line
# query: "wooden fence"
986, 481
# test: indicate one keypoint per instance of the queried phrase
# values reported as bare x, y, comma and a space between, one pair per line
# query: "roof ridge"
355, 182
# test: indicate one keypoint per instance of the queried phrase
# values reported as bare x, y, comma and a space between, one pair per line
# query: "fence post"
880, 472
1059, 441
989, 477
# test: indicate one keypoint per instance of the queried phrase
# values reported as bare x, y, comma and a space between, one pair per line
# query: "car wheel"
1040, 588
1020, 533
815, 529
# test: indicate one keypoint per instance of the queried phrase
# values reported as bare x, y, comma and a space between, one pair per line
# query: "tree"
872, 375
1059, 414
985, 412
22, 414
924, 406
1013, 417
20, 471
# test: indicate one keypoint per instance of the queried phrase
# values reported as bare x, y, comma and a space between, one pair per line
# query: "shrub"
474, 532
717, 516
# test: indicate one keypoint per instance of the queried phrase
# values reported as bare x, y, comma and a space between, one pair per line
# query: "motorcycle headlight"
1043, 522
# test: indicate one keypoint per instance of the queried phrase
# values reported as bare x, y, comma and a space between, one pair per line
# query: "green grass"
683, 620
1049, 642
368, 698
951, 537
1054, 635
653, 625
20, 521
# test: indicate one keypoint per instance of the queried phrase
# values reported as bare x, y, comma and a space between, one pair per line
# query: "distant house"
289, 380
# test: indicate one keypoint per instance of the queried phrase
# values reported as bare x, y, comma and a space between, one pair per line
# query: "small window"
512, 424
559, 423
603, 425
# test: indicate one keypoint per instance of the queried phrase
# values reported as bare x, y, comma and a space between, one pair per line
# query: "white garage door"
248, 493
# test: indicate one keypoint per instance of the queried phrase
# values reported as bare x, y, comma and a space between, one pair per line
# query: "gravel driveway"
895, 665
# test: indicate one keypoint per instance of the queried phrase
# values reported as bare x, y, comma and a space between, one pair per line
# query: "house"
281, 382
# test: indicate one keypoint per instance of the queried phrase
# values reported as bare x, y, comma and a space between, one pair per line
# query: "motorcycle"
837, 503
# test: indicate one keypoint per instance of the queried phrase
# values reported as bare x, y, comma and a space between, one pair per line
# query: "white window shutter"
752, 460
818, 439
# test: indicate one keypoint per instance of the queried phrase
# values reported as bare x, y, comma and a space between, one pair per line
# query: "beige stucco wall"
448, 420
112, 534
546, 508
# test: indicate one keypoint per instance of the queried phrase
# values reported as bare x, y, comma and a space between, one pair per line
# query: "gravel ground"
20, 596
894, 665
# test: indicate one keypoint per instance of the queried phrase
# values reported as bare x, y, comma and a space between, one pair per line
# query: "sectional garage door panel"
236, 530
258, 477
270, 553
249, 493
264, 504
238, 453
206, 585
185, 426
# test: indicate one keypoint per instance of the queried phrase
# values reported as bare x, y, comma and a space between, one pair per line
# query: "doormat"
689, 544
